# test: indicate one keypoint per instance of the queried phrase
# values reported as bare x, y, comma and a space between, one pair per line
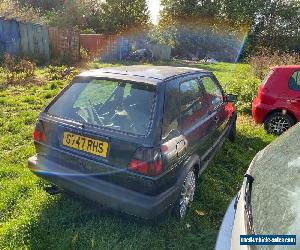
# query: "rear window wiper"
248, 206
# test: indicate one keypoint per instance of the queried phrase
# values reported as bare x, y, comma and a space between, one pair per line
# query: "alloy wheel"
279, 124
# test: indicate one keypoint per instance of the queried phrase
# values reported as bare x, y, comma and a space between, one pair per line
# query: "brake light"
38, 133
147, 161
39, 136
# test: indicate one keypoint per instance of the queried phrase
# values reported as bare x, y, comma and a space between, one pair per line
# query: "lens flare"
202, 38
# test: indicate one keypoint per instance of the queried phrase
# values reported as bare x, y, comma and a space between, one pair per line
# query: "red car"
277, 104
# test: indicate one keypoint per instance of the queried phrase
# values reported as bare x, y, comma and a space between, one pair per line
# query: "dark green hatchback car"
134, 138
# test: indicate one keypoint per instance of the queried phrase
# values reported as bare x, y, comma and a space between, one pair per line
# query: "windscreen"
122, 106
276, 186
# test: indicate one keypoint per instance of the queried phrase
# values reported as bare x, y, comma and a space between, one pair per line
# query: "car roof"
143, 73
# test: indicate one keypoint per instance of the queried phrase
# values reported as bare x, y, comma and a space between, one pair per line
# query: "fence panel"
160, 51
93, 43
9, 37
105, 47
34, 40
64, 43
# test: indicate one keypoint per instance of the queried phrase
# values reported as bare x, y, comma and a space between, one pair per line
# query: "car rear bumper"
259, 111
106, 193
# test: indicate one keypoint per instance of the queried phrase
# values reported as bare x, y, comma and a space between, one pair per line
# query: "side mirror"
230, 98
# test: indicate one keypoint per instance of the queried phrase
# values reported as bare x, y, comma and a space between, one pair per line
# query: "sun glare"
154, 6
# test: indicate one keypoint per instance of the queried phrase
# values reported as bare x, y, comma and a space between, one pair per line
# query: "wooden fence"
42, 42
64, 43
113, 47
105, 47
34, 40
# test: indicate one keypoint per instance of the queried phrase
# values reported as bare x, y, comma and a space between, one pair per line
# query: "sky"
154, 10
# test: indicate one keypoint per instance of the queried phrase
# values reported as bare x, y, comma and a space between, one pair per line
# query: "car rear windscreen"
118, 105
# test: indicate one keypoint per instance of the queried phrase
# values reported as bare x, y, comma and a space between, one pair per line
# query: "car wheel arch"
193, 162
288, 112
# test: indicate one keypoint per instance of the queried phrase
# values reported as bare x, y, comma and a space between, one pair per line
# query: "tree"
198, 29
12, 10
42, 5
276, 25
188, 25
110, 16
121, 15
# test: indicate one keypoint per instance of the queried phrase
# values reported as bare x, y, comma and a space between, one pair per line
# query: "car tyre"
278, 122
186, 196
232, 132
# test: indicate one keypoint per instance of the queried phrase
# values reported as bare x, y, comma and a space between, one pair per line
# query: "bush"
18, 71
12, 10
84, 55
60, 72
238, 79
263, 60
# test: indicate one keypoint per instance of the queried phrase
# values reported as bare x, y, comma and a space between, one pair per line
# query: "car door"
217, 107
194, 123
186, 124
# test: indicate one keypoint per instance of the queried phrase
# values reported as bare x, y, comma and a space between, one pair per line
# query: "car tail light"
147, 161
38, 133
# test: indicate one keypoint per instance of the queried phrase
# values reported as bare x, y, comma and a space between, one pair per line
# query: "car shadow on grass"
69, 222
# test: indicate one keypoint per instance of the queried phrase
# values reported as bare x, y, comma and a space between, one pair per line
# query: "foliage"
43, 5
32, 219
122, 16
276, 21
243, 84
12, 10
262, 61
18, 70
273, 20
96, 16
85, 56
60, 72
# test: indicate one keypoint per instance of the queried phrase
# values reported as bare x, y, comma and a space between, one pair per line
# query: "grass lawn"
32, 219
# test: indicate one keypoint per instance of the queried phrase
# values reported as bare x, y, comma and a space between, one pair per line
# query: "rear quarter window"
294, 81
171, 111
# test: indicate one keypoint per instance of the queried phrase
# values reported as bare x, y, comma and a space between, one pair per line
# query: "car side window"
214, 92
192, 102
294, 82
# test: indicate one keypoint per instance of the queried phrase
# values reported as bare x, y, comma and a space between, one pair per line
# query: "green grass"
31, 219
